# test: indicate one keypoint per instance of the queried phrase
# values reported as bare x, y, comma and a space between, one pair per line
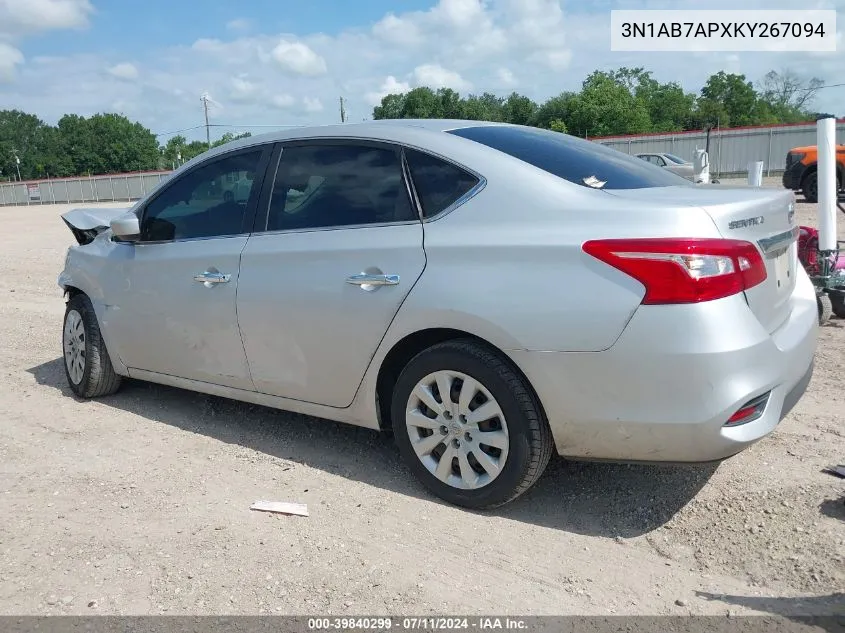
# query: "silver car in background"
492, 293
670, 162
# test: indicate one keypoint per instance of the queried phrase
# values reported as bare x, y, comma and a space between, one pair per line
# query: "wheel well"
812, 169
71, 292
402, 353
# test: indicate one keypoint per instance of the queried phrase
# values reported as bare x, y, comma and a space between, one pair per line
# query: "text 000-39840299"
722, 31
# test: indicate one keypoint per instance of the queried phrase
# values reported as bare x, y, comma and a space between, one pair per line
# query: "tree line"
624, 101
101, 144
621, 101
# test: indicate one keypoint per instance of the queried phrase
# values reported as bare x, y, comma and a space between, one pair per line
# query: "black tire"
98, 377
825, 307
810, 187
530, 440
837, 304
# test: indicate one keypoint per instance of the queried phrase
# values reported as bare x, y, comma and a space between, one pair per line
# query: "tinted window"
438, 183
324, 185
206, 202
571, 158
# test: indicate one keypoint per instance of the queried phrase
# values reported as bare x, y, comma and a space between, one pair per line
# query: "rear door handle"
209, 277
373, 280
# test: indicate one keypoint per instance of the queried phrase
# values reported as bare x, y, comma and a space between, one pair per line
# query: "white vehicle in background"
671, 162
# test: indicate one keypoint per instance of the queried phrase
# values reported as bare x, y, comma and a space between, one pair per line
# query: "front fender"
95, 270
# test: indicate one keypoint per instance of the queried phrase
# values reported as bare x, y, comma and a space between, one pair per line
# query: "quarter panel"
510, 261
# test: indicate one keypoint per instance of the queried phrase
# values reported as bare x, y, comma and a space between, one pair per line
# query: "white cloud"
298, 58
10, 57
506, 77
239, 24
125, 71
243, 89
22, 17
435, 76
312, 104
389, 86
532, 46
282, 101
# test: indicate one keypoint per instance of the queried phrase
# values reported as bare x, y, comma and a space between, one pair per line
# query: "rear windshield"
675, 159
579, 161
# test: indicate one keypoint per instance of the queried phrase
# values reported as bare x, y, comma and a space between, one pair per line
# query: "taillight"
683, 270
750, 411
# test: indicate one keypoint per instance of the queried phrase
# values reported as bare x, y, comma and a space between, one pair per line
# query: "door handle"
373, 280
209, 277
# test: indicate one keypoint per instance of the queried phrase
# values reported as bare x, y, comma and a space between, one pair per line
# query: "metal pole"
3, 192
769, 159
204, 100
111, 182
81, 190
128, 197
52, 193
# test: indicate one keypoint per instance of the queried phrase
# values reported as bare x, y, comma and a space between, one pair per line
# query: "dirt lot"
138, 503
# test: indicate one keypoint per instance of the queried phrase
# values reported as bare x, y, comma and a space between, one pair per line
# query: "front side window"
322, 185
210, 201
438, 184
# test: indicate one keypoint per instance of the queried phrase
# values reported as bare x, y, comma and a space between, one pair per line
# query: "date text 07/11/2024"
415, 623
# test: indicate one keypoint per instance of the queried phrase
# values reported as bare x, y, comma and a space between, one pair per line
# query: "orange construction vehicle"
800, 174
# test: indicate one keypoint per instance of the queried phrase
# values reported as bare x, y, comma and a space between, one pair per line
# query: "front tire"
468, 425
88, 368
825, 307
837, 304
810, 187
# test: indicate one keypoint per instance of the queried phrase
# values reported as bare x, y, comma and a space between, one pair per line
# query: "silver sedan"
492, 293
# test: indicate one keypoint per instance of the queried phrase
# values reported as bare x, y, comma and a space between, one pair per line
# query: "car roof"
386, 129
413, 132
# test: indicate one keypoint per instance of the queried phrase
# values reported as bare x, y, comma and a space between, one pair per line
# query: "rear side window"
582, 162
439, 184
323, 184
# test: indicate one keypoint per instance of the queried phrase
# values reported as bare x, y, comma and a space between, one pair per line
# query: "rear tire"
477, 474
810, 187
88, 368
825, 307
837, 304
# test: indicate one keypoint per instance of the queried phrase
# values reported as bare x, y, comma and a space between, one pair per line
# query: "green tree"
605, 106
730, 97
391, 107
518, 109
228, 137
26, 137
421, 103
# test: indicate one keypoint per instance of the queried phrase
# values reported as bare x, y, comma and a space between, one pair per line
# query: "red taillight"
750, 411
683, 270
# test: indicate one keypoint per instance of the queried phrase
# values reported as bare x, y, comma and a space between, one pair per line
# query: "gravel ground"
139, 503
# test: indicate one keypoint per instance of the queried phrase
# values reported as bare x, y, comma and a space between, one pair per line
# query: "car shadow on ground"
825, 612
598, 499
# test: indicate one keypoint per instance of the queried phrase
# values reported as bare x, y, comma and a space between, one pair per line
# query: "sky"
280, 62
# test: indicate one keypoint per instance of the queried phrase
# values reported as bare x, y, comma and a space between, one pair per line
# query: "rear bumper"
663, 392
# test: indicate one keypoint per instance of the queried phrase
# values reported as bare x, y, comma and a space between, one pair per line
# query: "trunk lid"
764, 217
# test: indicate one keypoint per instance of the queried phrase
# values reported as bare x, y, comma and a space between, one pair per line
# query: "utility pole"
204, 98
17, 164
342, 112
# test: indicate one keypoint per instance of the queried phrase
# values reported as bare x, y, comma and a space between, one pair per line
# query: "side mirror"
126, 227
